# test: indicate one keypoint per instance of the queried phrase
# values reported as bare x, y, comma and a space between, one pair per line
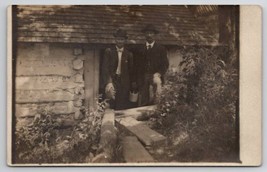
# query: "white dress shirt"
119, 51
151, 45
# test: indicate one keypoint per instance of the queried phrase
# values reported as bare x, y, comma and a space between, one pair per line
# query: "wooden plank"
136, 113
108, 118
133, 151
108, 138
96, 75
30, 110
89, 74
145, 134
43, 96
46, 82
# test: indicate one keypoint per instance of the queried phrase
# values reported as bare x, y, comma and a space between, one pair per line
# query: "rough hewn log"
40, 59
43, 96
108, 138
48, 82
30, 110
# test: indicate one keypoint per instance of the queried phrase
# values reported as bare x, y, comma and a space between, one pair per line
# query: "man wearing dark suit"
151, 64
117, 70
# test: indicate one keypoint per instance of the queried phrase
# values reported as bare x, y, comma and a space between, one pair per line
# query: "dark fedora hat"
120, 33
150, 27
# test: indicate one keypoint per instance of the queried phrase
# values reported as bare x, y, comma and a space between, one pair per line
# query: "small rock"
78, 103
82, 91
77, 90
78, 115
78, 78
71, 90
143, 117
160, 151
77, 64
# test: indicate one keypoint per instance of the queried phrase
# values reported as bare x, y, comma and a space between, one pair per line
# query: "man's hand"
110, 91
156, 79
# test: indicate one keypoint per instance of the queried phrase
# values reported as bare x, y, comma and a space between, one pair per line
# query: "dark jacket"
150, 61
110, 63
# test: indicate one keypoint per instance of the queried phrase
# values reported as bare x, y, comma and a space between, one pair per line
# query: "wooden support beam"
108, 138
145, 134
133, 151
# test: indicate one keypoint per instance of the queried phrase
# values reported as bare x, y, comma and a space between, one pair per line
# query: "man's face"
120, 41
150, 36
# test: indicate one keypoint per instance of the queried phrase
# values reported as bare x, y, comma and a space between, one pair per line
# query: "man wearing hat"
117, 71
151, 64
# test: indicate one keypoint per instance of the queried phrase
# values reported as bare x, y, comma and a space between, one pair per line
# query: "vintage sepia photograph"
125, 84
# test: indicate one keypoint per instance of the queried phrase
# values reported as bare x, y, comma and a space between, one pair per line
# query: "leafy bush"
43, 141
201, 101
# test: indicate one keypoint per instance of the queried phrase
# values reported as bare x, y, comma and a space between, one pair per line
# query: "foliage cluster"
43, 141
201, 103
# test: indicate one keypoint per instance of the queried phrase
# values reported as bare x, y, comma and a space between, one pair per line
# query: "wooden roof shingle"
97, 23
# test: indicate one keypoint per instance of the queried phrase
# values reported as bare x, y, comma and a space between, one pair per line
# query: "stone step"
133, 151
138, 113
145, 134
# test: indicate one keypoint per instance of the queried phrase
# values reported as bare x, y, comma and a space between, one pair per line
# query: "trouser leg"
147, 92
157, 88
122, 95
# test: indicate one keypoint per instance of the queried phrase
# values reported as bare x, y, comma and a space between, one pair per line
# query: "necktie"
149, 47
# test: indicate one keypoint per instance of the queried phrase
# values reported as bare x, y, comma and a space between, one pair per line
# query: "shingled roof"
96, 24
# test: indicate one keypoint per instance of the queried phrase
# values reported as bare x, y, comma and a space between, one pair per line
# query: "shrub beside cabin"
58, 50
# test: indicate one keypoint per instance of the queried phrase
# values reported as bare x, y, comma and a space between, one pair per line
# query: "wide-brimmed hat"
120, 33
150, 27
